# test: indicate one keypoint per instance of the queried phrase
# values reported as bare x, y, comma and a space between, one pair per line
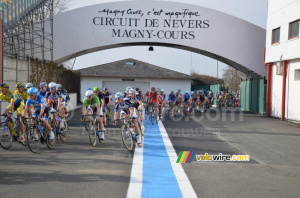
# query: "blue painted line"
158, 176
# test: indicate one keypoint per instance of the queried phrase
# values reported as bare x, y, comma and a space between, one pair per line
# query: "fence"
253, 96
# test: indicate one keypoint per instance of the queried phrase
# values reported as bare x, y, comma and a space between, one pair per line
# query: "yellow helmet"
4, 85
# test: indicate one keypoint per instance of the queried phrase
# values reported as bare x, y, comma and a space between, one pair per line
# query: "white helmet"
128, 88
89, 93
162, 90
29, 85
132, 91
52, 85
119, 95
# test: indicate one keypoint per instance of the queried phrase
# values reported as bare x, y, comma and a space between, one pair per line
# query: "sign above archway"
128, 23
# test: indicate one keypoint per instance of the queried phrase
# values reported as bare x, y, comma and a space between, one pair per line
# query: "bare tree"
60, 6
232, 78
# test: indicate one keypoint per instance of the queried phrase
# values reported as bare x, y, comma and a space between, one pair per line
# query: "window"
275, 36
129, 63
297, 74
294, 30
279, 68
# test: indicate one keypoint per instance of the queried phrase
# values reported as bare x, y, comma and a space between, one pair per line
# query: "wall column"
283, 90
269, 88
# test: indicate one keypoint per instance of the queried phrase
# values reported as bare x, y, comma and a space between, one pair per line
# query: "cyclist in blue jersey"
41, 108
172, 100
186, 99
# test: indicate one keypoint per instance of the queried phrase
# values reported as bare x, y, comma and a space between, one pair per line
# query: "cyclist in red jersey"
153, 98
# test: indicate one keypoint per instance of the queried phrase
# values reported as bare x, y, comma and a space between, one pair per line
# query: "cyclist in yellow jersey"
21, 91
16, 103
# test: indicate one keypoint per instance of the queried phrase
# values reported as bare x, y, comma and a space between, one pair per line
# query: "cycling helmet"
89, 93
192, 92
128, 88
29, 85
32, 91
132, 91
172, 91
187, 92
152, 88
88, 89
58, 86
52, 85
43, 84
119, 95
177, 94
20, 85
105, 89
162, 90
4, 85
137, 89
95, 89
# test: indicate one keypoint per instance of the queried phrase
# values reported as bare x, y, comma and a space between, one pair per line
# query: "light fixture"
150, 49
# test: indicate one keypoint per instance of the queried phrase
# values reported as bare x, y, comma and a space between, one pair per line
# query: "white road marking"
182, 179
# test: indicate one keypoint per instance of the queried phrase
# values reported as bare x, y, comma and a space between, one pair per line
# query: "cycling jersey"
18, 103
160, 99
95, 101
202, 98
125, 105
106, 97
22, 95
153, 97
186, 97
163, 95
136, 100
54, 98
172, 97
65, 96
37, 103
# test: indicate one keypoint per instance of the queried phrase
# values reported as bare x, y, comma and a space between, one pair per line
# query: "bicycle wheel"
6, 136
86, 124
93, 134
126, 138
33, 140
64, 133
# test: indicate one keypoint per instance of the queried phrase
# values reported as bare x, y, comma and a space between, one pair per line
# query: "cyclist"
126, 93
186, 100
41, 108
201, 99
153, 100
92, 100
171, 100
124, 104
209, 98
137, 102
43, 89
64, 97
100, 95
140, 93
21, 92
107, 99
15, 103
54, 100
162, 102
194, 98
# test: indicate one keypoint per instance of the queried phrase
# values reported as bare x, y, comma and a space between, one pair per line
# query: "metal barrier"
253, 96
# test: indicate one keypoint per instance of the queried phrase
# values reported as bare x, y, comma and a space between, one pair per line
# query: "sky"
254, 11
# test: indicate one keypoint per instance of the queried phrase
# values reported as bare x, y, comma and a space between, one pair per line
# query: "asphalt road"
76, 169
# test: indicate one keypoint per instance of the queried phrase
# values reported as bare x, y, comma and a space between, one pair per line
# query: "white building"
283, 59
116, 76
